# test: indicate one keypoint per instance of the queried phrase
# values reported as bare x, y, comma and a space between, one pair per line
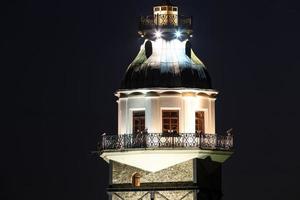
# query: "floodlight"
178, 34
157, 34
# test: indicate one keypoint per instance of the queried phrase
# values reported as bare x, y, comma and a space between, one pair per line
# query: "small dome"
166, 64
166, 3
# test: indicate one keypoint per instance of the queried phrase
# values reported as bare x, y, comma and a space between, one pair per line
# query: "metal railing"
149, 22
162, 140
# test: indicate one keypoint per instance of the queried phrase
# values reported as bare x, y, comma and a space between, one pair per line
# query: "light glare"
178, 34
157, 34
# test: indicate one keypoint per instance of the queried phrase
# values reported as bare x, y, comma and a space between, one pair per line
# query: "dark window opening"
148, 49
163, 8
174, 9
188, 49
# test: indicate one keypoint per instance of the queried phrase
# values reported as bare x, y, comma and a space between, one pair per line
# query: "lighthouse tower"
166, 147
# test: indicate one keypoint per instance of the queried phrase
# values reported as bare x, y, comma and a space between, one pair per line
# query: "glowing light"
178, 34
157, 34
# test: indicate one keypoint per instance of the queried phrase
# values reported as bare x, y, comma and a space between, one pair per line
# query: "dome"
166, 64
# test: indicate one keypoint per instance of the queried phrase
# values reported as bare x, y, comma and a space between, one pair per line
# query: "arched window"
148, 49
188, 48
136, 180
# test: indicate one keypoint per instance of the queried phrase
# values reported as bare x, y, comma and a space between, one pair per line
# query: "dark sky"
62, 61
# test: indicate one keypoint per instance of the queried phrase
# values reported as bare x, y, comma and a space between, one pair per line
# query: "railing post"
200, 140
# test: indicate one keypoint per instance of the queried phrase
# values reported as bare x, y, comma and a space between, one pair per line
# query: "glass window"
157, 9
174, 9
138, 119
199, 122
136, 180
164, 8
170, 121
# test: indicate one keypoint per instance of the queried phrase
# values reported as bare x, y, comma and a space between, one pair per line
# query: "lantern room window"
170, 121
199, 122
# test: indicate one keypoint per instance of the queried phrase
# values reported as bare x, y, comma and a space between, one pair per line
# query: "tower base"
190, 180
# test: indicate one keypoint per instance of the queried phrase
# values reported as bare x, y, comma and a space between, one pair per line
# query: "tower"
166, 146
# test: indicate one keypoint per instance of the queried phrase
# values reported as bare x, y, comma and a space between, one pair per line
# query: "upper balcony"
156, 151
165, 22
166, 141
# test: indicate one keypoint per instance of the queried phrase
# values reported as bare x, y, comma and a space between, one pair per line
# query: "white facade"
153, 102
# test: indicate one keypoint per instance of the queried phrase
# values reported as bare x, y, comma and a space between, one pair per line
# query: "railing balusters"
159, 140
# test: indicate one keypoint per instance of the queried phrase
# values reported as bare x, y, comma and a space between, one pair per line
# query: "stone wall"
178, 173
182, 172
174, 195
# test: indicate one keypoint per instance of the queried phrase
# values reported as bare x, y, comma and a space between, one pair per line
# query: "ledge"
167, 186
154, 160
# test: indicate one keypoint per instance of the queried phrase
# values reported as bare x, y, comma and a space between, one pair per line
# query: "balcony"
149, 22
166, 141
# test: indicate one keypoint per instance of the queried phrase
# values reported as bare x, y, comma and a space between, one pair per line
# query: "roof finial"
167, 2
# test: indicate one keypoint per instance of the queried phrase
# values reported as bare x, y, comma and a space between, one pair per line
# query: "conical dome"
166, 64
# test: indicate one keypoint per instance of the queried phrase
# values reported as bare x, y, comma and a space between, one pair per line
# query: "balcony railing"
149, 22
161, 140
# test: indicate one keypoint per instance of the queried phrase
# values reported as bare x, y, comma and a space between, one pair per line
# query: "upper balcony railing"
162, 140
165, 21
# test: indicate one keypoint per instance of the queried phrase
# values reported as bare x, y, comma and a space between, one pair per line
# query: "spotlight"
178, 34
157, 34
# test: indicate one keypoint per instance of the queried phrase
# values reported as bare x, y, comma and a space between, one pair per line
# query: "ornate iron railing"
149, 22
161, 140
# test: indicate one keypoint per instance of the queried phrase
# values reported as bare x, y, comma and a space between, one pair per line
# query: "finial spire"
167, 2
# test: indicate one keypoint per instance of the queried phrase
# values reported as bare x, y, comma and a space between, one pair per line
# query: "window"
157, 9
163, 8
170, 121
188, 49
199, 122
174, 9
136, 180
148, 48
138, 119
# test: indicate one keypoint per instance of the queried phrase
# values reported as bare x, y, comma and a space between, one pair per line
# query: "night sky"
62, 61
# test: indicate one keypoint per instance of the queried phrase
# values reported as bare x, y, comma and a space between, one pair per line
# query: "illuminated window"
163, 8
199, 122
170, 121
136, 180
138, 119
